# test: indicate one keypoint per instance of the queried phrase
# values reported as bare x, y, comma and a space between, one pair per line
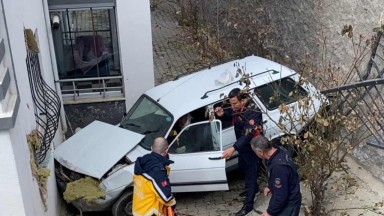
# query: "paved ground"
172, 57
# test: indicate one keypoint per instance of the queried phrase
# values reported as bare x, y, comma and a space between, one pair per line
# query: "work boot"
243, 211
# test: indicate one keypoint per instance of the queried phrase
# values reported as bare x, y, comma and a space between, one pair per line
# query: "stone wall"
304, 25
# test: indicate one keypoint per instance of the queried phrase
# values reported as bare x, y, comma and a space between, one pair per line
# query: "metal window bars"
47, 105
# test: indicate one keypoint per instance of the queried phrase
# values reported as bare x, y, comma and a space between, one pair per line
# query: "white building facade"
31, 89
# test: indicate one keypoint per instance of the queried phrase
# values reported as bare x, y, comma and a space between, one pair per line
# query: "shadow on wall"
80, 115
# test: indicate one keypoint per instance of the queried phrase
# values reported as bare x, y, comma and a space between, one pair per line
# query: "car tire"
123, 206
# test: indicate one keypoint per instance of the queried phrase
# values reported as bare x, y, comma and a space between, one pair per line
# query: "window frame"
97, 87
303, 93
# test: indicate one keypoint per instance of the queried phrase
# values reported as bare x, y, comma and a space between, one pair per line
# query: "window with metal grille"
46, 101
87, 53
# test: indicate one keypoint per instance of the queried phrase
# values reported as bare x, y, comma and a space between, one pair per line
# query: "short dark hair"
261, 143
236, 92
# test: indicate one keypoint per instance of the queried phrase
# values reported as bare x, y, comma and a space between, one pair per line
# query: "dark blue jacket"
283, 181
242, 124
155, 165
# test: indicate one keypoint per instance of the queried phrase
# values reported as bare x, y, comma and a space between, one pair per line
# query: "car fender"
116, 183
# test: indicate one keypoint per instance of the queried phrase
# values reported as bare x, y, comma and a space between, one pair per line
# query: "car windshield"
148, 118
281, 91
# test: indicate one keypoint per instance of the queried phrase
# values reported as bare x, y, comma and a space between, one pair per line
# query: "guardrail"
99, 88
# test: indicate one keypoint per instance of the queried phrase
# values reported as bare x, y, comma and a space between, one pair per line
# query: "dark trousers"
291, 209
249, 164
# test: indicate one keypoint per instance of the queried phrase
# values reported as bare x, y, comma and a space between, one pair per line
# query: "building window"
87, 54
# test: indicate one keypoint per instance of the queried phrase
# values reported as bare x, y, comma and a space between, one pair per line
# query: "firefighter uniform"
284, 183
152, 190
247, 124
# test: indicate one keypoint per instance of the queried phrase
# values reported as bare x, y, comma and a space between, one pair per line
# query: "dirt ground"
357, 192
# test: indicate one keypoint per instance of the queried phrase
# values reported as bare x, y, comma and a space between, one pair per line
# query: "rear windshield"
147, 117
278, 92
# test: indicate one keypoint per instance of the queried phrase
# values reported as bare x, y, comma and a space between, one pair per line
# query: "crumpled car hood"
96, 148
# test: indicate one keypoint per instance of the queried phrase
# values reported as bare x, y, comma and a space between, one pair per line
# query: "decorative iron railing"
47, 105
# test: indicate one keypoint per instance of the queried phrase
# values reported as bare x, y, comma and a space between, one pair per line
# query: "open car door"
197, 151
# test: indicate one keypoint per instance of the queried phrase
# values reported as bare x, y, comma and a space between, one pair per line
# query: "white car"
107, 153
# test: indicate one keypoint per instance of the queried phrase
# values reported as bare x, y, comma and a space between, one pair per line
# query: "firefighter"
152, 190
247, 122
283, 179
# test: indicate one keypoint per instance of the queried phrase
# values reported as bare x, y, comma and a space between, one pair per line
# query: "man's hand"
228, 153
266, 214
267, 191
219, 111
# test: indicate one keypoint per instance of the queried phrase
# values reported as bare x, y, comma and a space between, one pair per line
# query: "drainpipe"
54, 65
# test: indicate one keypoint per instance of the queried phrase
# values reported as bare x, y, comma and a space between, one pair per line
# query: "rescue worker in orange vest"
152, 190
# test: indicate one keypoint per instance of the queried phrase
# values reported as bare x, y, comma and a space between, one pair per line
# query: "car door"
196, 152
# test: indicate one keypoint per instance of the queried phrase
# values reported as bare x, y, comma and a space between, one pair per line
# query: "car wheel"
123, 206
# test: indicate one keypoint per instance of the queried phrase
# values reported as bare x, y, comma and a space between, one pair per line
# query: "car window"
148, 118
196, 137
278, 92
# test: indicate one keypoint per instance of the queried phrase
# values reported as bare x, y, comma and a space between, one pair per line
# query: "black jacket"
283, 181
244, 123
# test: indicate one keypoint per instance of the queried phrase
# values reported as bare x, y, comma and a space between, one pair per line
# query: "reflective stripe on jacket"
152, 189
148, 198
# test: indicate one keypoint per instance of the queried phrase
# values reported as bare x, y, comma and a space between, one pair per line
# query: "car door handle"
215, 158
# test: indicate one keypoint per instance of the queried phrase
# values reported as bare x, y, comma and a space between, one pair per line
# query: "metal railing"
98, 87
365, 97
47, 105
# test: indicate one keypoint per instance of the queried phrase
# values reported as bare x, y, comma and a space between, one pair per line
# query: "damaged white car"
107, 153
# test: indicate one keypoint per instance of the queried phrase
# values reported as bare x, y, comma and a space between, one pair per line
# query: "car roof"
185, 94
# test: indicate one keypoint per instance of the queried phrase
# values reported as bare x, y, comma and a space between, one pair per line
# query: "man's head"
261, 146
184, 120
237, 99
160, 146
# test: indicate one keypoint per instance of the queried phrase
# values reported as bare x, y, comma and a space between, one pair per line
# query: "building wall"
24, 197
136, 60
135, 41
137, 65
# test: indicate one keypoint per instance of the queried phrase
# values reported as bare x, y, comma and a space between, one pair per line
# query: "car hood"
96, 148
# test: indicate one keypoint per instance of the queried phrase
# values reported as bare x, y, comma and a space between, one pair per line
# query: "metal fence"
365, 97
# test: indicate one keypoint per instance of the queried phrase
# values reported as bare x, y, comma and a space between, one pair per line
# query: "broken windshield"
148, 118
